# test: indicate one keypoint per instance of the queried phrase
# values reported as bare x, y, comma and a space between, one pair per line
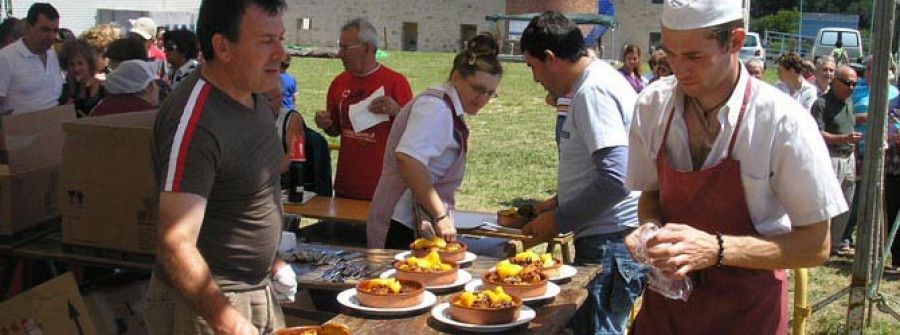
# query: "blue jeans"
612, 294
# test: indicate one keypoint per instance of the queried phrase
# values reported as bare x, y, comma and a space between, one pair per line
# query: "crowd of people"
724, 168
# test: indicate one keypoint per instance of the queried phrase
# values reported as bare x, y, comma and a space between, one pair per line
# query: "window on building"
655, 41
656, 2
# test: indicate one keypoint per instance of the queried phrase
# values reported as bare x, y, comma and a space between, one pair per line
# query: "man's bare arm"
180, 218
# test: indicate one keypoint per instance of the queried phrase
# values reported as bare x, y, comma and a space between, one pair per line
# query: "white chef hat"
696, 14
131, 76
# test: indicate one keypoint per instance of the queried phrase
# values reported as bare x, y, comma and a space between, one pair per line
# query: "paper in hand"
360, 116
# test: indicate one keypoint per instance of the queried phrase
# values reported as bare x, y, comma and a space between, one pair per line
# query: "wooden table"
355, 211
551, 317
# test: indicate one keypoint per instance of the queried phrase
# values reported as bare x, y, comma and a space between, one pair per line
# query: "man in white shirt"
734, 173
31, 77
790, 74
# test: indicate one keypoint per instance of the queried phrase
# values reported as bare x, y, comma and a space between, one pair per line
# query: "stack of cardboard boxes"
109, 202
30, 158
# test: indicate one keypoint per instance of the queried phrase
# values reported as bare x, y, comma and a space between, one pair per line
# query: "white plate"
462, 277
348, 299
441, 312
552, 291
566, 271
470, 256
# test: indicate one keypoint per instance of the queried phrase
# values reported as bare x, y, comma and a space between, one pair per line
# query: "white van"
752, 48
827, 37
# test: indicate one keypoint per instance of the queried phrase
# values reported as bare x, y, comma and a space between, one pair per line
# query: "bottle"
295, 170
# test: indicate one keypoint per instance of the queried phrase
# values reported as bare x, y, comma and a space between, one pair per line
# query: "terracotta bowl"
552, 271
429, 279
523, 291
296, 330
446, 256
479, 316
398, 300
510, 220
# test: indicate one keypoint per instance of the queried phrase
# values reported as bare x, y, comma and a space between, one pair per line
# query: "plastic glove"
285, 284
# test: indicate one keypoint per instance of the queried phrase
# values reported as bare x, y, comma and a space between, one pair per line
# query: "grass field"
513, 158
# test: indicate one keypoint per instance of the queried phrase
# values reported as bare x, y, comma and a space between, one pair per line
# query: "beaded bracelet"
721, 241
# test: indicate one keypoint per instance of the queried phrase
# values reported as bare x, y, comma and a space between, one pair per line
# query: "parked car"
827, 37
753, 48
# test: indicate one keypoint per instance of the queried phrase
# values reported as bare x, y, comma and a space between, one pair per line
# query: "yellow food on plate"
430, 262
390, 283
506, 269
485, 299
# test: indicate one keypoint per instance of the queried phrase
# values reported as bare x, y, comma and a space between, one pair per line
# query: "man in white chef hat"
734, 172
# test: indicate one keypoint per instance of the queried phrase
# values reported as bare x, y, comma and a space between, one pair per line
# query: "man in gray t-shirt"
217, 159
592, 200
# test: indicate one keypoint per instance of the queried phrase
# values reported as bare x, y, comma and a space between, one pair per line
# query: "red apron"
725, 300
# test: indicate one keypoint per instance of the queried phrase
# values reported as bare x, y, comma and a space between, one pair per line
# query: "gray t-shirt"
599, 117
208, 144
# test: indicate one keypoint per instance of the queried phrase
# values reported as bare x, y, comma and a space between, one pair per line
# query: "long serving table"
551, 316
355, 211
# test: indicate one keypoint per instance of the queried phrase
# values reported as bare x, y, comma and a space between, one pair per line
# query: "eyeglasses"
345, 48
849, 83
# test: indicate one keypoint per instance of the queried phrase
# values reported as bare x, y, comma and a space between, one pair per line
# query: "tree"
786, 21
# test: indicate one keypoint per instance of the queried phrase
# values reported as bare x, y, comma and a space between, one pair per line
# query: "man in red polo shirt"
362, 152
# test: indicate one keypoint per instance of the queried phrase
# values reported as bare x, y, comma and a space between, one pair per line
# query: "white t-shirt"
785, 167
599, 117
429, 139
806, 95
26, 84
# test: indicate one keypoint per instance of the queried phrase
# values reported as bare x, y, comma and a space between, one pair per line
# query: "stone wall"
637, 20
438, 23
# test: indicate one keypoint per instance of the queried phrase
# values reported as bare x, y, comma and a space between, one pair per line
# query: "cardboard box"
54, 307
28, 202
30, 154
119, 309
108, 199
33, 140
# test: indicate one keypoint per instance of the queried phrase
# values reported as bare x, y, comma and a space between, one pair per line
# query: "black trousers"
399, 236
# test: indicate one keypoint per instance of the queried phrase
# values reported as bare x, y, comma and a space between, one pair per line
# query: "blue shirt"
289, 88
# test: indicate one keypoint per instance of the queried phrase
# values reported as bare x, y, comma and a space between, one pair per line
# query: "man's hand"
679, 249
546, 205
853, 138
384, 105
633, 242
446, 229
233, 323
323, 120
543, 227
284, 282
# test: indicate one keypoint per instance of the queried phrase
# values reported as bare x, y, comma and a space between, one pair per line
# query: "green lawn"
513, 157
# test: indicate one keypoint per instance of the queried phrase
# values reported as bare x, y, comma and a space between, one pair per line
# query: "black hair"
41, 8
224, 17
126, 49
480, 55
66, 34
182, 41
10, 30
555, 32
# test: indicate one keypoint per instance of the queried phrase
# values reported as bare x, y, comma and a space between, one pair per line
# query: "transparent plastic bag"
670, 288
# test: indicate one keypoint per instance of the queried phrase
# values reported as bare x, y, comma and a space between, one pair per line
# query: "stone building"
420, 25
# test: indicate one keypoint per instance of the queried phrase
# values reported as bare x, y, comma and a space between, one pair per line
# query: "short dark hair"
126, 49
722, 33
555, 32
41, 8
10, 30
791, 61
182, 41
224, 17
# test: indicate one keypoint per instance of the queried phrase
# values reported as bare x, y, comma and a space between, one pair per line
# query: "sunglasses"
849, 83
